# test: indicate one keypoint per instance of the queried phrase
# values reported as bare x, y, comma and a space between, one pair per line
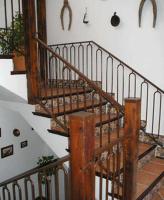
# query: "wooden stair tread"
154, 167
148, 175
147, 178
113, 136
105, 118
7, 56
98, 122
18, 72
142, 148
70, 108
59, 92
144, 179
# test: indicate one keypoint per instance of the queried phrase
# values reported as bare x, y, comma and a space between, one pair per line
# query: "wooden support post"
41, 18
42, 34
30, 49
132, 126
82, 138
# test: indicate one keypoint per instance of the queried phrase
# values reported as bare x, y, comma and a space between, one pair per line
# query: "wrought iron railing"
74, 91
116, 78
109, 171
48, 182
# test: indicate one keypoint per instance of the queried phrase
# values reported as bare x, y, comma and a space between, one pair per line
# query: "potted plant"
43, 161
12, 41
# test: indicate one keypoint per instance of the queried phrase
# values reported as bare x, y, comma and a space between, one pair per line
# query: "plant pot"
19, 62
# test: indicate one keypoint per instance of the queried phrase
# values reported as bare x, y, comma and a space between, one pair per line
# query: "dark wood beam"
30, 49
132, 127
41, 20
42, 34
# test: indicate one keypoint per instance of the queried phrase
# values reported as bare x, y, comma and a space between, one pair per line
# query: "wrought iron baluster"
4, 190
26, 181
14, 186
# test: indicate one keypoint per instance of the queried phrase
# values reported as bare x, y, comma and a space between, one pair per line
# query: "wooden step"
18, 72
70, 108
149, 177
149, 180
51, 93
143, 148
7, 56
104, 120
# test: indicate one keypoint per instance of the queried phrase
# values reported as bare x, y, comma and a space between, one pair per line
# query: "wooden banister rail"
132, 126
26, 184
35, 170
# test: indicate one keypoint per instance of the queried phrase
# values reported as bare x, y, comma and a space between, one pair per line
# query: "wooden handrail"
82, 76
35, 170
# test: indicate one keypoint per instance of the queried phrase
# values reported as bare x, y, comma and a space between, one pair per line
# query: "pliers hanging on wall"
154, 5
66, 6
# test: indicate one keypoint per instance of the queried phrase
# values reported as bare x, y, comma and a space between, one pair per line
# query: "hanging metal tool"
85, 18
66, 6
154, 5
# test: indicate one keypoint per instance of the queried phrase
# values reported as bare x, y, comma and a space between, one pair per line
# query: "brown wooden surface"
31, 49
17, 72
142, 149
132, 126
148, 174
74, 107
42, 34
41, 19
104, 120
82, 151
59, 92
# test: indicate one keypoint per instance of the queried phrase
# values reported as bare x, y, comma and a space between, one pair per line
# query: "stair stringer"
57, 143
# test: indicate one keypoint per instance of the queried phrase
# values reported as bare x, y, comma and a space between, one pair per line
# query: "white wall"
141, 48
9, 100
22, 159
15, 83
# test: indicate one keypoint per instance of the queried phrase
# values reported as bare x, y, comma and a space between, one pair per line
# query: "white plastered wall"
22, 159
141, 48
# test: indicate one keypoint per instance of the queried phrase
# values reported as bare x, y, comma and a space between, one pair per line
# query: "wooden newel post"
82, 137
30, 49
132, 126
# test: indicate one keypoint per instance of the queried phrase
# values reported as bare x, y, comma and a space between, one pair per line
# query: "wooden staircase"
60, 98
64, 79
150, 175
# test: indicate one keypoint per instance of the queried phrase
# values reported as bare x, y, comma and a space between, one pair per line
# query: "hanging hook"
85, 18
